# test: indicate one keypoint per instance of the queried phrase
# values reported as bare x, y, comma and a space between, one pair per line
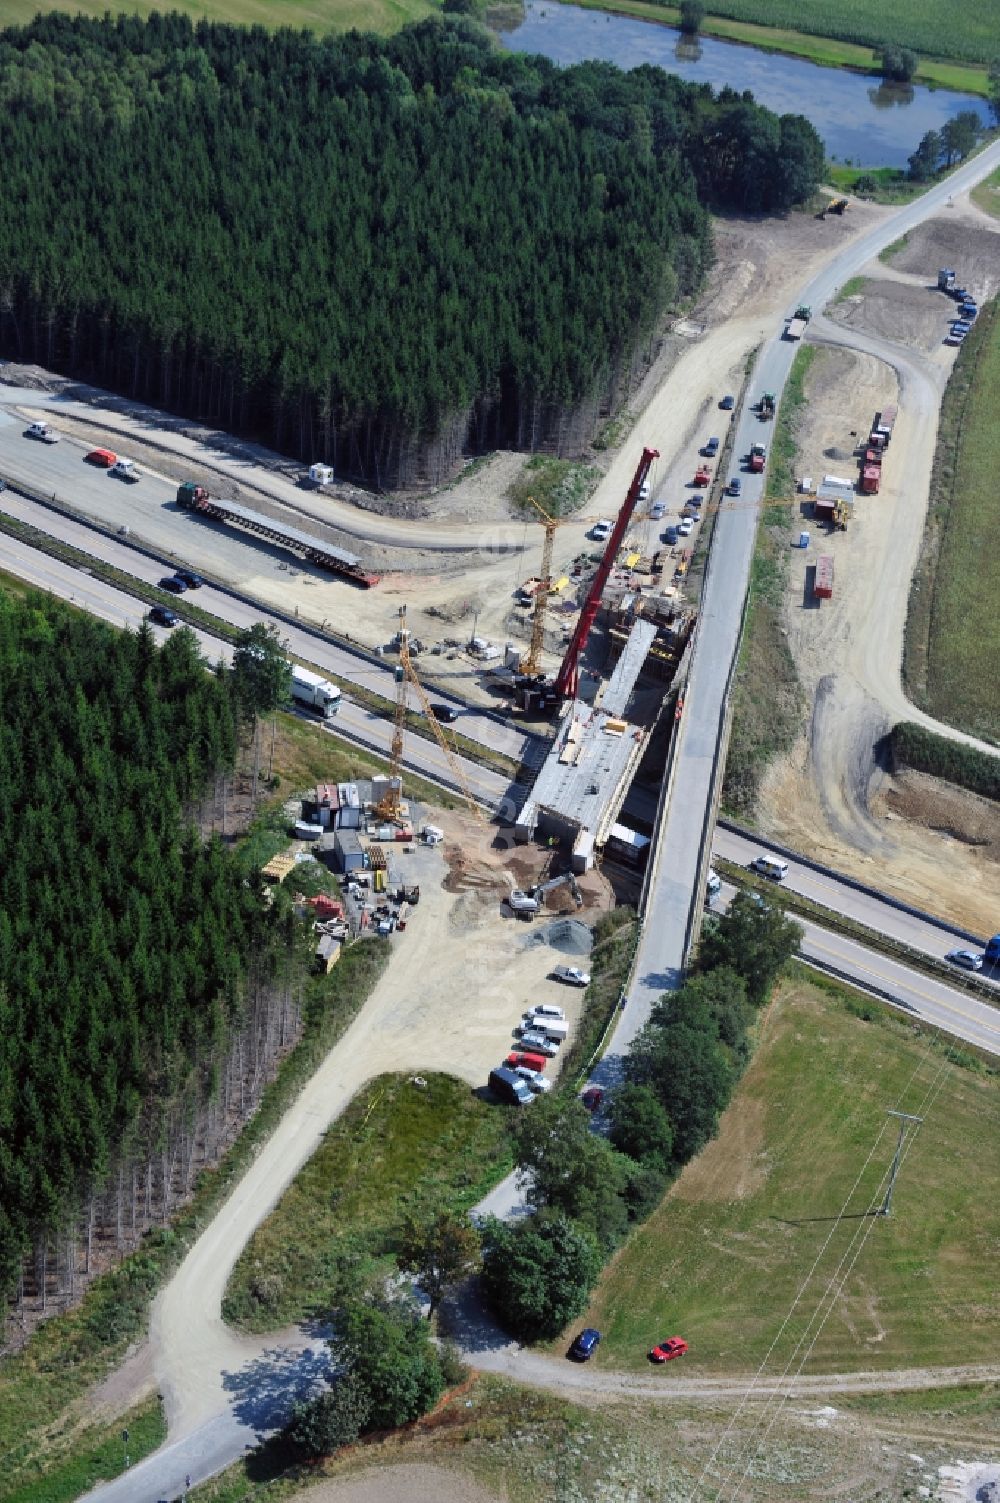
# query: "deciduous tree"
440, 1251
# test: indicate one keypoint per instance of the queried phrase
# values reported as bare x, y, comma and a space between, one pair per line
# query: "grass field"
987, 195
395, 1150
952, 632
319, 15
721, 1261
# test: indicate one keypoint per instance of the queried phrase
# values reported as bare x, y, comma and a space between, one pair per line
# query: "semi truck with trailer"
313, 550
314, 692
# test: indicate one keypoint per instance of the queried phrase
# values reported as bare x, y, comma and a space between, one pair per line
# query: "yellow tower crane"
391, 805
531, 662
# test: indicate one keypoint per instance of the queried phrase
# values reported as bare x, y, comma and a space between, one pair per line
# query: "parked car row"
539, 1035
586, 1342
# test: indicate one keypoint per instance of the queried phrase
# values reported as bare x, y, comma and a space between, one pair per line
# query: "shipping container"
823, 583
870, 477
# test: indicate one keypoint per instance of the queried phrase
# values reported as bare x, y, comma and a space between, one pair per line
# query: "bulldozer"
765, 407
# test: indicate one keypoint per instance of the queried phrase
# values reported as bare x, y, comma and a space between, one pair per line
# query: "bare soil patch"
962, 242
918, 840
899, 311
948, 811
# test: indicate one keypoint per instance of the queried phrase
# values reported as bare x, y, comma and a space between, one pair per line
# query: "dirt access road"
460, 944
829, 794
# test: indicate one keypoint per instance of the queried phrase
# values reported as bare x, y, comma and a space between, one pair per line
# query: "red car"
530, 1061
674, 1346
592, 1098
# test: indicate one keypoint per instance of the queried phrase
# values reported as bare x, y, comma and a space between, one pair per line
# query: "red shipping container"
823, 583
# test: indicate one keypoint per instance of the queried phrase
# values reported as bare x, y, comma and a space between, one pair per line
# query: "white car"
523, 902
713, 884
572, 975
537, 1043
535, 1079
546, 1010
657, 511
685, 527
601, 531
644, 491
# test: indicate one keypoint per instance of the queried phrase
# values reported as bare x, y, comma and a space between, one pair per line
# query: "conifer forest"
380, 253
145, 986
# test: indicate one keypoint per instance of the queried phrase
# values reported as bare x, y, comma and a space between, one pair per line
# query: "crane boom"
567, 681
532, 662
391, 805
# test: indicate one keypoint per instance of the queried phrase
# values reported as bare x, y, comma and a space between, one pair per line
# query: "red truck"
871, 477
758, 454
823, 582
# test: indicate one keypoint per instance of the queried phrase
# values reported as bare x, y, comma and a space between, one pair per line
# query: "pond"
860, 119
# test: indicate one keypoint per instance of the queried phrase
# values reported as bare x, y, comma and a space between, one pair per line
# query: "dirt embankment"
925, 841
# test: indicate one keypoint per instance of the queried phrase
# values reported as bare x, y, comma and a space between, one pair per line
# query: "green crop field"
953, 631
721, 1260
319, 15
396, 1150
967, 29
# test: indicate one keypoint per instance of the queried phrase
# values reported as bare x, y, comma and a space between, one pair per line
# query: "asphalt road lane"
824, 887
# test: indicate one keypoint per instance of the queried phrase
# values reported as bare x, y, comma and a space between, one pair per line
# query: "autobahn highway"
926, 935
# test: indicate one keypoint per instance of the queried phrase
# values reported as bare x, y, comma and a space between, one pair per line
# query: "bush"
453, 1369
753, 939
898, 64
335, 1419
913, 746
640, 1126
538, 1273
389, 1351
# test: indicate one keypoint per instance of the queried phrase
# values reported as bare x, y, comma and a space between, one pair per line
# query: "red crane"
567, 680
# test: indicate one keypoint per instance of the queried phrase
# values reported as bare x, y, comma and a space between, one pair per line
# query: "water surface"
859, 119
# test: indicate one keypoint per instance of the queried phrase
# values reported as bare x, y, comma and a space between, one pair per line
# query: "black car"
163, 615
174, 584
444, 713
189, 578
585, 1345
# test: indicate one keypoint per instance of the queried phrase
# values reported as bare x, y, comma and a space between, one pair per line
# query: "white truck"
124, 469
315, 692
43, 432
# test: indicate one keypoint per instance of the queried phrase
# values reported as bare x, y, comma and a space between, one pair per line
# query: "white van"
546, 1010
431, 835
556, 1029
769, 866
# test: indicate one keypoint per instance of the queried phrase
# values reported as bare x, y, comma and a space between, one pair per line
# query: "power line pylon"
904, 1118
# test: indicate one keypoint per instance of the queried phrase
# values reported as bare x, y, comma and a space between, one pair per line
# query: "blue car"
585, 1345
